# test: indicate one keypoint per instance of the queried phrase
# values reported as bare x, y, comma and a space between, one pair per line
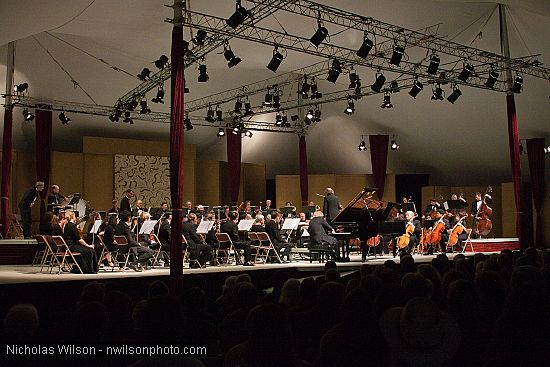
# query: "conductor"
25, 206
331, 205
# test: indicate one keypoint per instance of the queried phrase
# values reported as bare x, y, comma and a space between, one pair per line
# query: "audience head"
290, 294
157, 288
21, 322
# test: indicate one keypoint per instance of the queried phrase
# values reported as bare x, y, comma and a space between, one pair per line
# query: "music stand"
309, 210
218, 210
408, 207
453, 204
286, 211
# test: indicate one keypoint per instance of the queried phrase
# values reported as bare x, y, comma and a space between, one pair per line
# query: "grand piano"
365, 217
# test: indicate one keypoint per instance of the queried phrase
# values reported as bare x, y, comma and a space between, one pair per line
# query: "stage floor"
14, 274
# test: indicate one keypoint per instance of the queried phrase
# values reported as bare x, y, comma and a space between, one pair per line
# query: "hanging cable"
490, 11
519, 33
73, 18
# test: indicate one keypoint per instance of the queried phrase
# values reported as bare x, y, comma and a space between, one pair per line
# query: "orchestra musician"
114, 208
54, 199
259, 224
267, 205
432, 207
88, 258
163, 210
138, 209
318, 229
444, 235
188, 209
331, 205
125, 201
230, 227
199, 250
272, 230
410, 216
164, 236
25, 205
142, 254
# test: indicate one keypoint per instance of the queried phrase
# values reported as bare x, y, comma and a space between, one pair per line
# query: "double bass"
483, 224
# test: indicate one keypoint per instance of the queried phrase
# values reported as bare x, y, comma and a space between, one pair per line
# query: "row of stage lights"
363, 145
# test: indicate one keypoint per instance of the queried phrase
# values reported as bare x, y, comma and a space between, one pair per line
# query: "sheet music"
95, 228
147, 227
290, 224
205, 226
305, 233
245, 224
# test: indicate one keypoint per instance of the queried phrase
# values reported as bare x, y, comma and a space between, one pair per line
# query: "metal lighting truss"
197, 53
483, 61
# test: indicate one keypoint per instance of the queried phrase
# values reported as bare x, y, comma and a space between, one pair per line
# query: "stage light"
248, 109
278, 120
28, 115
160, 95
236, 130
128, 118
547, 149
354, 80
492, 79
185, 47
377, 86
466, 72
132, 105
64, 119
203, 75
455, 95
305, 88
163, 61
335, 71
315, 94
238, 106
20, 88
185, 89
285, 121
365, 48
309, 115
210, 114
294, 118
268, 99
317, 115
394, 86
219, 113
248, 133
350, 108
199, 37
434, 64
518, 84
416, 88
387, 101
276, 102
238, 16
397, 55
187, 123
319, 36
276, 60
144, 74
437, 93
221, 132
362, 146
115, 116
144, 108
230, 56
394, 145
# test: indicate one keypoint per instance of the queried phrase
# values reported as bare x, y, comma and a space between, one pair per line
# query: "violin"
456, 231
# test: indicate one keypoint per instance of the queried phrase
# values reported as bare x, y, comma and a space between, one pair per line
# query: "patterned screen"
148, 176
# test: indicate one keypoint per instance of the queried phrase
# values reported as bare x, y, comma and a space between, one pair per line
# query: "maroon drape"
43, 152
379, 160
6, 172
513, 142
234, 145
176, 159
303, 171
535, 151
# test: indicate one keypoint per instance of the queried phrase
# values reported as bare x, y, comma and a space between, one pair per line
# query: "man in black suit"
125, 202
331, 205
163, 210
318, 228
142, 254
198, 249
415, 236
25, 206
259, 224
272, 230
476, 204
230, 227
54, 199
164, 236
188, 209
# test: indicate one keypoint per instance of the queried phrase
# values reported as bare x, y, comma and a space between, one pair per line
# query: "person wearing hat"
419, 334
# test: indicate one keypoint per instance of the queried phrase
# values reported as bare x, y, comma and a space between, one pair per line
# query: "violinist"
138, 209
410, 216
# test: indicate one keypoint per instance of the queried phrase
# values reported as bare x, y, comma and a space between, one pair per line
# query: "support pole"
7, 145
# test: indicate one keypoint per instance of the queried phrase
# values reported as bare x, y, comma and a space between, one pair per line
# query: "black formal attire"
415, 237
257, 228
53, 201
164, 236
141, 253
199, 250
473, 207
109, 238
211, 238
331, 207
430, 208
125, 205
231, 228
136, 211
159, 214
28, 199
187, 211
444, 237
88, 258
272, 229
46, 229
318, 228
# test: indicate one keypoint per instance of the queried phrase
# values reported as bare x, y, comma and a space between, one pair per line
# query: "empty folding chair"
67, 256
226, 248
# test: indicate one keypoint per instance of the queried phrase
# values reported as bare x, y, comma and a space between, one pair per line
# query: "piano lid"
365, 209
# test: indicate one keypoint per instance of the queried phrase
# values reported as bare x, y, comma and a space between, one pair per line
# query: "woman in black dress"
88, 258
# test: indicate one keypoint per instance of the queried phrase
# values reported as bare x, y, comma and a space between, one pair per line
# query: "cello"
483, 223
434, 237
456, 231
403, 240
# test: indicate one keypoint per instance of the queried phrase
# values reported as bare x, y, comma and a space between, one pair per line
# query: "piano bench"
320, 251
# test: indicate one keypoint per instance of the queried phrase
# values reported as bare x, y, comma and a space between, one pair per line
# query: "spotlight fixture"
268, 99
184, 47
64, 119
518, 84
547, 149
397, 55
203, 76
350, 108
248, 133
199, 37
319, 35
354, 81
285, 121
219, 114
20, 88
144, 74
278, 120
128, 118
466, 72
294, 118
387, 101
248, 109
276, 60
221, 132
377, 86
187, 123
394, 86
236, 130
365, 47
276, 101
492, 79
305, 88
394, 145
160, 95
434, 64
115, 116
309, 115
230, 56
416, 88
455, 95
315, 94
437, 93
238, 16
317, 115
132, 105
335, 71
163, 60
28, 115
210, 114
144, 108
238, 106
362, 146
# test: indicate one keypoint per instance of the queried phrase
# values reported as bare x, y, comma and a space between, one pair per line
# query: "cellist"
410, 216
444, 235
